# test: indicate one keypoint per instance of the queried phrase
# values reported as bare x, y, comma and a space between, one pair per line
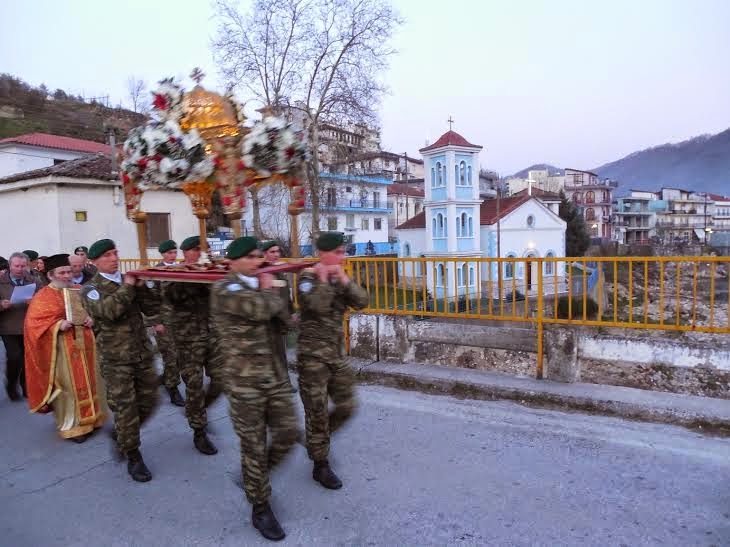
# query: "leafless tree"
315, 60
137, 92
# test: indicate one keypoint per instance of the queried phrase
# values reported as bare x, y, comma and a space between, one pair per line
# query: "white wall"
21, 158
29, 220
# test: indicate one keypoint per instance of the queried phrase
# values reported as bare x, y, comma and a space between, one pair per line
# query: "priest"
60, 362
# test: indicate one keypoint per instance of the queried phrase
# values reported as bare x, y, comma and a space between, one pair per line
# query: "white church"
456, 225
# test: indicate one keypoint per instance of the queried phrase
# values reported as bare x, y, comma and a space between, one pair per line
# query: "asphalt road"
418, 470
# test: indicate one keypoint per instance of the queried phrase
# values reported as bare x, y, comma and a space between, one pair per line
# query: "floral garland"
167, 100
237, 106
161, 155
274, 147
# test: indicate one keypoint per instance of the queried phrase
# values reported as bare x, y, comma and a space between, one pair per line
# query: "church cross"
197, 75
450, 122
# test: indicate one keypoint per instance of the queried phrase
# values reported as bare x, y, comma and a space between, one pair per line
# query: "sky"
573, 83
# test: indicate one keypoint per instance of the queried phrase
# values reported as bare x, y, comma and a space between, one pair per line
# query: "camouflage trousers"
318, 382
170, 370
131, 391
258, 408
196, 358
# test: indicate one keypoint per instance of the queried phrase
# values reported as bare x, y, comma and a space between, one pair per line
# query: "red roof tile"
718, 197
450, 138
95, 166
487, 212
45, 140
404, 189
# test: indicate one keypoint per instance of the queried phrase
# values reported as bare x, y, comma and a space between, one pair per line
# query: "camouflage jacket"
185, 310
117, 313
322, 308
245, 319
155, 287
281, 283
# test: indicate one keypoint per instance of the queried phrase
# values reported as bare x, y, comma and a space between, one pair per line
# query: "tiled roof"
450, 138
487, 212
539, 193
403, 189
375, 155
97, 166
718, 197
44, 140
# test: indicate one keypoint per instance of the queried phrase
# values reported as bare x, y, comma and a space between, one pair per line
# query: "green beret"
32, 255
266, 245
98, 248
329, 241
190, 243
241, 247
82, 248
168, 245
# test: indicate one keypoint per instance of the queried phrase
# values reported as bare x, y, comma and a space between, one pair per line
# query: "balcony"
370, 179
681, 225
365, 205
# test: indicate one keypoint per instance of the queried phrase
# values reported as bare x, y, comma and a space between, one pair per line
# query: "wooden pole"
141, 220
203, 234
294, 243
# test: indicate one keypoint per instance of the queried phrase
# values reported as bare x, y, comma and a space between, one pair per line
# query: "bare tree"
137, 92
317, 60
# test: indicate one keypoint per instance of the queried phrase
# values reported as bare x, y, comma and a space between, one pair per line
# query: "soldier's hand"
338, 272
129, 279
65, 325
159, 329
4, 304
323, 272
266, 281
88, 322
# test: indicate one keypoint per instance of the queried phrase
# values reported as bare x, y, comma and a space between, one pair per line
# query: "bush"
577, 308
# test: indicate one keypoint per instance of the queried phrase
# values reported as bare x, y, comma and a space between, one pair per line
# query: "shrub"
577, 308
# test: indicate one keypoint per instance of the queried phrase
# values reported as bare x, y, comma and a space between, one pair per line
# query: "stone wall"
692, 363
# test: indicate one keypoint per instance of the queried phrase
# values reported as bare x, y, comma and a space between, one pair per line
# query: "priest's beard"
58, 284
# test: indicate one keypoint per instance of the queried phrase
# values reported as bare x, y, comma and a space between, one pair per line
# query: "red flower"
142, 163
125, 178
300, 203
227, 201
242, 202
239, 191
290, 152
218, 162
157, 158
160, 102
241, 165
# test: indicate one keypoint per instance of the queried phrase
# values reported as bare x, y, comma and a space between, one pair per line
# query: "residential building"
397, 167
405, 200
683, 216
593, 197
458, 224
721, 213
78, 201
40, 150
635, 218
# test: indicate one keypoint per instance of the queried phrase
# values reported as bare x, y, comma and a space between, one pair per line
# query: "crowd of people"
80, 340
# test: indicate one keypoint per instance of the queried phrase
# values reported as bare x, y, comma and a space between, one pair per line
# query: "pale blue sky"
570, 82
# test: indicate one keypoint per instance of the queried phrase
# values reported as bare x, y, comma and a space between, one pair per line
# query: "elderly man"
61, 371
116, 303
12, 316
79, 275
83, 252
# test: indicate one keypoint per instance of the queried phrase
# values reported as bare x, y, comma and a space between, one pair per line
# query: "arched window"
456, 174
590, 197
509, 267
440, 230
433, 177
434, 229
464, 270
407, 249
463, 225
468, 175
471, 276
471, 227
440, 174
462, 173
440, 274
549, 266
577, 198
605, 197
590, 214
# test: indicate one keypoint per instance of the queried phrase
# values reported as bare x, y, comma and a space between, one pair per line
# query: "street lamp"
595, 230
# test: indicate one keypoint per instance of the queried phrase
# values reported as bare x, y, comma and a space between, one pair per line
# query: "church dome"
450, 138
211, 114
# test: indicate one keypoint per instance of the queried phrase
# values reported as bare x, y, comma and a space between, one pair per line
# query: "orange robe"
61, 371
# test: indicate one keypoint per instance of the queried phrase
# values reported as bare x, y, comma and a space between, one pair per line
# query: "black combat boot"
136, 467
203, 444
175, 397
324, 475
264, 521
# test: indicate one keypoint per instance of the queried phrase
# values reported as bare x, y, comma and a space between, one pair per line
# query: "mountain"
538, 166
700, 164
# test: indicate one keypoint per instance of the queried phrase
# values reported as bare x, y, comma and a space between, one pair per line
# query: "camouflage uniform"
283, 322
323, 372
124, 352
185, 309
257, 383
171, 369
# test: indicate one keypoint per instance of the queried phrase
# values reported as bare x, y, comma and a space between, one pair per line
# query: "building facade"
405, 200
634, 221
594, 199
683, 216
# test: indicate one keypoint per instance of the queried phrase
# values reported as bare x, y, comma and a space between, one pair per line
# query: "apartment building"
593, 197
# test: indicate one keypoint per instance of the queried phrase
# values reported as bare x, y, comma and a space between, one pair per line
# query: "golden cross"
450, 121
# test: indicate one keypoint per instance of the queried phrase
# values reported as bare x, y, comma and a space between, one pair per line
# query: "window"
440, 275
439, 174
549, 266
365, 224
468, 175
440, 227
158, 228
376, 199
577, 198
332, 224
378, 223
530, 221
471, 276
590, 214
433, 177
400, 207
456, 174
462, 173
590, 197
463, 275
407, 249
331, 197
509, 267
350, 221
80, 216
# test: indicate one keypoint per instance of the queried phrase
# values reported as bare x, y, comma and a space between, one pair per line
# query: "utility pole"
112, 133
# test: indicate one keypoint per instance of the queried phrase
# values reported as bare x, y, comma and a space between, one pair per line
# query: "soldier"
186, 307
171, 369
116, 304
272, 257
33, 264
83, 252
325, 292
244, 309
